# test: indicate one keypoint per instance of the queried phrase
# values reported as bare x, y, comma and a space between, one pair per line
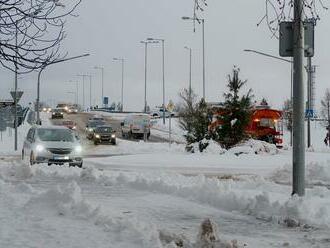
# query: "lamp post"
90, 91
77, 89
145, 69
122, 60
83, 78
39, 79
186, 18
163, 66
102, 87
190, 54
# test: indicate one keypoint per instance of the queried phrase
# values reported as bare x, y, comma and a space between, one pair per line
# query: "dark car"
91, 126
104, 134
57, 114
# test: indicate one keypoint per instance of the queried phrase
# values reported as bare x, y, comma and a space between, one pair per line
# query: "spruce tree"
235, 114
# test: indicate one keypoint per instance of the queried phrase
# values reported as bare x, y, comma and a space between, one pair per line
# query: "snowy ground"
152, 195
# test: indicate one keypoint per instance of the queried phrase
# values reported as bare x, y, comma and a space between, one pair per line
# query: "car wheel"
96, 143
32, 159
130, 135
114, 143
49, 164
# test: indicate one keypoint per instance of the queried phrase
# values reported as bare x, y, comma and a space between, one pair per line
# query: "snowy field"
145, 195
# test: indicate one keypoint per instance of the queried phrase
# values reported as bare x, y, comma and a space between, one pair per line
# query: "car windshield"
104, 129
56, 110
141, 121
64, 135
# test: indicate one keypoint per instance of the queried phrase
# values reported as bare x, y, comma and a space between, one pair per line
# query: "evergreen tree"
236, 113
194, 119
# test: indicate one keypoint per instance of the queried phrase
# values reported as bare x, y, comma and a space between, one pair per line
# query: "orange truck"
266, 124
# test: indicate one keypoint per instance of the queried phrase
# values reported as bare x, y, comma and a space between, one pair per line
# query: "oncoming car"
57, 113
52, 145
104, 134
90, 127
135, 126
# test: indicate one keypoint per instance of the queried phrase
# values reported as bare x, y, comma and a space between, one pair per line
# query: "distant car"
69, 124
52, 145
96, 118
57, 114
159, 112
135, 126
104, 134
46, 109
90, 127
72, 110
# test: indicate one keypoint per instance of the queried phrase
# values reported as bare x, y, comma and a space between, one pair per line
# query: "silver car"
52, 145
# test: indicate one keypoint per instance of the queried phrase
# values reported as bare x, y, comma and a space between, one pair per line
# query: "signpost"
16, 95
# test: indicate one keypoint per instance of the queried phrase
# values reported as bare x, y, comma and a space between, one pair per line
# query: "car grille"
61, 151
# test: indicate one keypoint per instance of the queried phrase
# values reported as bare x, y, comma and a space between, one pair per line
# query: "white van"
135, 126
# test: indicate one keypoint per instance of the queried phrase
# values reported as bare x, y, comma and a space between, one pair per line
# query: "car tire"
130, 135
114, 143
96, 143
79, 165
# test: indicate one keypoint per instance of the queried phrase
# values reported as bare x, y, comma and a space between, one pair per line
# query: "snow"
139, 194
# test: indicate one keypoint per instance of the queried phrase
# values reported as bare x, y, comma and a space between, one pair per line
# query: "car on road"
90, 127
57, 114
96, 118
159, 112
52, 145
69, 124
72, 110
136, 126
104, 134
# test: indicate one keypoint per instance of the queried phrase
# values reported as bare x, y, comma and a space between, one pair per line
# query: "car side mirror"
122, 124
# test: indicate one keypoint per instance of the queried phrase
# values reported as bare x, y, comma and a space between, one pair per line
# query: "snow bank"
317, 173
254, 147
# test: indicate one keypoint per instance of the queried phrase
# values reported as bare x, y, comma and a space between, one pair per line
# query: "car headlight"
90, 129
40, 148
74, 127
78, 149
97, 136
61, 113
113, 136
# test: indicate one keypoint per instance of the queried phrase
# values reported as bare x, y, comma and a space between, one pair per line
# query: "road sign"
287, 42
106, 100
309, 113
4, 104
18, 95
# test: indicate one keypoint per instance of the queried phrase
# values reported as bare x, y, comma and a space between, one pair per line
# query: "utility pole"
16, 79
309, 99
122, 60
90, 91
83, 77
298, 100
190, 68
102, 86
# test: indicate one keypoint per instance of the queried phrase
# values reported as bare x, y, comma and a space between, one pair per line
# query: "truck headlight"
113, 136
40, 148
78, 149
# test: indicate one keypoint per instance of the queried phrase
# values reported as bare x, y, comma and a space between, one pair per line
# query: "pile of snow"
317, 173
254, 147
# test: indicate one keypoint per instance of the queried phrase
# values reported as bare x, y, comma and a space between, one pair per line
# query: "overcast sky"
114, 28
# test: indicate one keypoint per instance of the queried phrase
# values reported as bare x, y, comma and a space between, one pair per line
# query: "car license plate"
61, 158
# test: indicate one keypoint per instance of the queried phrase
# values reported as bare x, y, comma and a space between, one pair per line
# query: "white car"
52, 145
135, 126
158, 113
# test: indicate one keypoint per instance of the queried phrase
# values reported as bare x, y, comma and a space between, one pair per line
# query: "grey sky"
114, 28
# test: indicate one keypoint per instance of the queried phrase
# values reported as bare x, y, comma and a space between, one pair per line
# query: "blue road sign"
309, 113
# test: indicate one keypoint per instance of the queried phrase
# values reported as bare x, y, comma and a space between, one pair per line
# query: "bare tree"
277, 11
325, 108
31, 32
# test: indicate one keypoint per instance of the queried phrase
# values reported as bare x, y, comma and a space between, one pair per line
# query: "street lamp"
83, 77
39, 79
145, 69
190, 54
122, 60
73, 93
77, 89
186, 18
102, 72
163, 65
